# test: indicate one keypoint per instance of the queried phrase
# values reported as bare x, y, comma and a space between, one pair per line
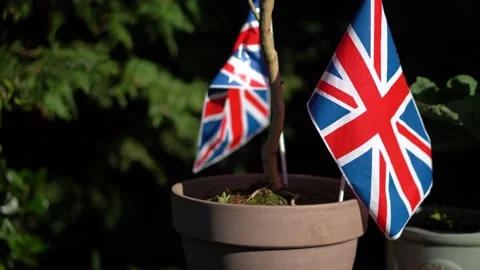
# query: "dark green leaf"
465, 83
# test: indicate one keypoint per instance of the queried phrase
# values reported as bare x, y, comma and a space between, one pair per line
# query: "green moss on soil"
262, 196
265, 196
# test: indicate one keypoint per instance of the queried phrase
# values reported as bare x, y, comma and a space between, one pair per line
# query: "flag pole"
342, 189
283, 159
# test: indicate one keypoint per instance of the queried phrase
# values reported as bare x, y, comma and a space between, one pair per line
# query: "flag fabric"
364, 111
237, 105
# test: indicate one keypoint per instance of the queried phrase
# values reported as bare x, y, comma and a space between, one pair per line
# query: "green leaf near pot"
465, 82
452, 113
421, 85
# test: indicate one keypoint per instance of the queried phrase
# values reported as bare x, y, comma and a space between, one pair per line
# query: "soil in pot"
446, 221
260, 194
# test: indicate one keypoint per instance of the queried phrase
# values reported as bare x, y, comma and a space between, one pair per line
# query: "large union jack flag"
366, 115
237, 105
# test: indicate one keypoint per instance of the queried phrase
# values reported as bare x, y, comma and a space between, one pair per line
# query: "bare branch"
270, 148
254, 10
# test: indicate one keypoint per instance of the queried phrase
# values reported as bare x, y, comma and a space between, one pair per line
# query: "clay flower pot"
437, 248
240, 237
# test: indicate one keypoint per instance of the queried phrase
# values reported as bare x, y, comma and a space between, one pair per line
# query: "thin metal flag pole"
283, 159
342, 189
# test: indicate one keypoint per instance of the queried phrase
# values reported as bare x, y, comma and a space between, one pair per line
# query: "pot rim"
176, 189
281, 227
416, 234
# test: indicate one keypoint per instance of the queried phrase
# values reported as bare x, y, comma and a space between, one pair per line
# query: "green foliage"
117, 55
23, 198
441, 217
90, 48
46, 77
132, 151
266, 196
223, 198
454, 111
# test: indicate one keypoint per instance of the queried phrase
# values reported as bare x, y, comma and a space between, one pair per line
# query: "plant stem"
270, 148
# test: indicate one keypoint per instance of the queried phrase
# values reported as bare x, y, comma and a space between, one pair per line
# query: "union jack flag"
237, 105
364, 111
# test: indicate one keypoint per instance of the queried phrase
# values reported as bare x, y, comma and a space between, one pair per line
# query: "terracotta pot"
243, 237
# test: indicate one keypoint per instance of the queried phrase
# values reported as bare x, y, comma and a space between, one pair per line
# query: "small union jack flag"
237, 105
364, 111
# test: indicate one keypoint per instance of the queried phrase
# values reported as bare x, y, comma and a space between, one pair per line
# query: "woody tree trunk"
270, 148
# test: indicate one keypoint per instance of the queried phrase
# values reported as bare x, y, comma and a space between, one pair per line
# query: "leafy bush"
62, 58
100, 59
23, 199
54, 51
452, 111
